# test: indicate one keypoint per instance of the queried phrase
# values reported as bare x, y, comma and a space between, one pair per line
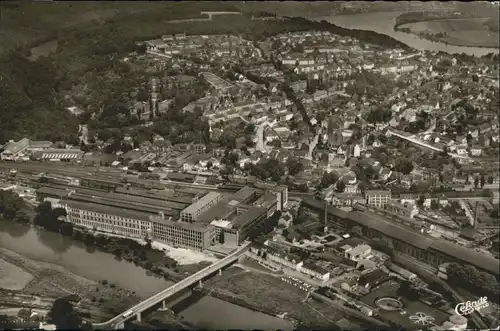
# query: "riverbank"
268, 294
12, 277
464, 32
97, 301
383, 23
151, 256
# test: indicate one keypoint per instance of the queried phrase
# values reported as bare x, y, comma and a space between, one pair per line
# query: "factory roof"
468, 255
179, 224
118, 204
108, 210
53, 191
221, 210
377, 223
248, 216
203, 201
243, 194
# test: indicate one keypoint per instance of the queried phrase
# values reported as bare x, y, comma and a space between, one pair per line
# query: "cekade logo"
465, 308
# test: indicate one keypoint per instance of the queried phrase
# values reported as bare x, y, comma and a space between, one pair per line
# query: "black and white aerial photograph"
249, 165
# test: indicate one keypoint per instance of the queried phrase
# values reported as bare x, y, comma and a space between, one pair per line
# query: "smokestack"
475, 215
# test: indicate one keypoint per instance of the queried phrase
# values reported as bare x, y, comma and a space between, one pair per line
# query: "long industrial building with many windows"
134, 213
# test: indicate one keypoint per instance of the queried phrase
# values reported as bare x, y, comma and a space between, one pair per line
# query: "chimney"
475, 215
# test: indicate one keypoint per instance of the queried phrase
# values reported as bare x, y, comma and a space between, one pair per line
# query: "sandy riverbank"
49, 281
12, 277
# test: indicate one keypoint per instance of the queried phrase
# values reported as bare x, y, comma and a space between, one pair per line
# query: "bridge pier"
200, 283
163, 305
138, 317
220, 272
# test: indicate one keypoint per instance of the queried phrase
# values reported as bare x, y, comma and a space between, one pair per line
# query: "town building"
406, 209
356, 253
378, 198
14, 149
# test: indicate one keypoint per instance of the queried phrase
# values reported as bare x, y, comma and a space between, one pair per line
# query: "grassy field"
459, 31
274, 296
12, 277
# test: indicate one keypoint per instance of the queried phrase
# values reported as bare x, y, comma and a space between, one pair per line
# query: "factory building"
212, 219
182, 234
192, 212
107, 219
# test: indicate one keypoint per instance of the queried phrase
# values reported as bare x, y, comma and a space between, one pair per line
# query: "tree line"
470, 278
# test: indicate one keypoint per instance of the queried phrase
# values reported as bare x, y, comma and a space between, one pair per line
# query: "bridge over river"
118, 322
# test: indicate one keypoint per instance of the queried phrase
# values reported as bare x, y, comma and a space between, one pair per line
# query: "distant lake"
383, 22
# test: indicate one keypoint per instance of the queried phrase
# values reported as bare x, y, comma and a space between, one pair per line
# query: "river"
383, 22
209, 312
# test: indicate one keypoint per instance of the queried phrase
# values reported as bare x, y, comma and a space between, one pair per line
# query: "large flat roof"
185, 225
243, 193
201, 202
52, 190
119, 204
488, 263
374, 222
220, 210
156, 194
125, 198
250, 215
97, 208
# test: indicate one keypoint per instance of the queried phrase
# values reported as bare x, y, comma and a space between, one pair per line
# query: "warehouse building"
182, 234
191, 213
107, 219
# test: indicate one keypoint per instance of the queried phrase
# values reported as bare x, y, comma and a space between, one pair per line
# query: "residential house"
372, 279
315, 271
476, 150
283, 259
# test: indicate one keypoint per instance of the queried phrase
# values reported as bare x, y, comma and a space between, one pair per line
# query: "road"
426, 145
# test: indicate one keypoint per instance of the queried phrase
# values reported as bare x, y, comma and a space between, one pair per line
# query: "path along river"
383, 22
40, 245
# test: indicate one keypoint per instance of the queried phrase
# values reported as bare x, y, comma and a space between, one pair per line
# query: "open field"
272, 296
457, 31
13, 277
